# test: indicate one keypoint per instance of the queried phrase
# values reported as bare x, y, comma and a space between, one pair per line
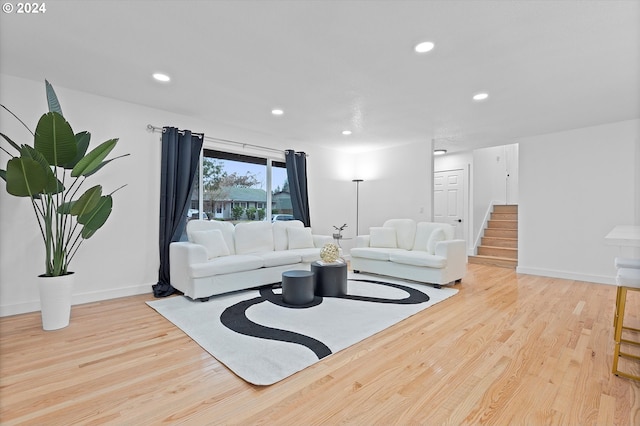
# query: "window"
238, 188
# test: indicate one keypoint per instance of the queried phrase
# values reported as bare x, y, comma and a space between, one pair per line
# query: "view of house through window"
237, 188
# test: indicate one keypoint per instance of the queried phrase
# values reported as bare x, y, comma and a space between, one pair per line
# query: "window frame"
269, 161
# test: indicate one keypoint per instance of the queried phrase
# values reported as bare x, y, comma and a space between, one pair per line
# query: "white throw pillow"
213, 241
382, 237
300, 238
253, 237
435, 237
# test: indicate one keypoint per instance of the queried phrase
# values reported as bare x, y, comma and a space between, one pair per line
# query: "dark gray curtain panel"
180, 159
296, 163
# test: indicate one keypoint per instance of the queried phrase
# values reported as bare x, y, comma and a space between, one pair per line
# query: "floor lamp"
357, 181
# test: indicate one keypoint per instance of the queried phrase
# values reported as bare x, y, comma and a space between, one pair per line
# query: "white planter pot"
55, 300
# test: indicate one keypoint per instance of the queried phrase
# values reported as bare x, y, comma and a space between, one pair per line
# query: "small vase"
55, 300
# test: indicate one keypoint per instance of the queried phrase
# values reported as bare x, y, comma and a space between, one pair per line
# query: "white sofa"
426, 252
220, 257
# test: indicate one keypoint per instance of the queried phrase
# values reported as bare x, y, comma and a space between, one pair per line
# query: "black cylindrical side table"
297, 287
330, 278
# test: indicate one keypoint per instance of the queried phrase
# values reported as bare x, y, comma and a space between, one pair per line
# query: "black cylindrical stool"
330, 278
297, 287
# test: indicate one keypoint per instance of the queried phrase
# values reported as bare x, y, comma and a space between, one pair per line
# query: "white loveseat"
220, 257
426, 252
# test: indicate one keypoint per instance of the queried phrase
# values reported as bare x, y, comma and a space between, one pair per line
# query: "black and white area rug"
263, 340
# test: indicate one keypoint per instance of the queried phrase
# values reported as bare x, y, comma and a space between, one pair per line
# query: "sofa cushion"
435, 237
405, 231
374, 253
300, 238
226, 265
307, 255
213, 241
254, 237
384, 237
280, 233
424, 231
418, 258
226, 228
279, 258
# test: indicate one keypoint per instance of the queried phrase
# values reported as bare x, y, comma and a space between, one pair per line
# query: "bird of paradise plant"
51, 173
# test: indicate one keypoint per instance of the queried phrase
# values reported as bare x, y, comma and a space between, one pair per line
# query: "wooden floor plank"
507, 349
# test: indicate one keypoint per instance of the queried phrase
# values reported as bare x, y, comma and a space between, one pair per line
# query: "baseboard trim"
567, 275
79, 299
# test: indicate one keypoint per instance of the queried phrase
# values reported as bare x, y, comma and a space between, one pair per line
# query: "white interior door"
449, 189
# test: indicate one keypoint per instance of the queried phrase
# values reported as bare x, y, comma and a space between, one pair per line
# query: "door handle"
459, 220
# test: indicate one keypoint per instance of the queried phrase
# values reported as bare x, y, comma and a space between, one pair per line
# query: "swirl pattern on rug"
235, 318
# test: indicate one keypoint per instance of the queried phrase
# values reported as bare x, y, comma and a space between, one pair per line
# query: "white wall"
575, 186
397, 183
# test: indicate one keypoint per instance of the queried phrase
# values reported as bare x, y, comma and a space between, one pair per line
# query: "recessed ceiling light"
480, 96
162, 77
346, 132
277, 112
439, 152
424, 47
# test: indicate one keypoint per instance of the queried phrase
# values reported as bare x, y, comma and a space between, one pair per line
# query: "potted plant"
338, 235
51, 174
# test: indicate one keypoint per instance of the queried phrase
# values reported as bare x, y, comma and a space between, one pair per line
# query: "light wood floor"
507, 350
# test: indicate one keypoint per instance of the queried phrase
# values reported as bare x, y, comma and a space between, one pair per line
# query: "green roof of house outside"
236, 193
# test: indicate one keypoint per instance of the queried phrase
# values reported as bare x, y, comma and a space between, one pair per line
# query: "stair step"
509, 208
499, 246
504, 216
506, 252
499, 242
501, 233
502, 224
493, 261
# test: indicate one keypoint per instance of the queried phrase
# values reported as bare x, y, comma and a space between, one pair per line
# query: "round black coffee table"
297, 287
330, 278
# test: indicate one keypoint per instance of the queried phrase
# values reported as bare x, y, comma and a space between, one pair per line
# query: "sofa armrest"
320, 240
188, 252
362, 240
455, 251
181, 256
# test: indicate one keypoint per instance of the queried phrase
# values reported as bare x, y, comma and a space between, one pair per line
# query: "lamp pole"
357, 181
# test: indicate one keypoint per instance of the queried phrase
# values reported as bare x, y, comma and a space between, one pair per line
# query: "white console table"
627, 238
624, 235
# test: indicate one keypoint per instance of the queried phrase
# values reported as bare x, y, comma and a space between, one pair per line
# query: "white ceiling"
333, 65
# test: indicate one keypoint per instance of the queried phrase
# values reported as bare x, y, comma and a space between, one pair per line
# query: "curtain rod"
151, 128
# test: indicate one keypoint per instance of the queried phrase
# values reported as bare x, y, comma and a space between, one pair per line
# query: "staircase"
499, 245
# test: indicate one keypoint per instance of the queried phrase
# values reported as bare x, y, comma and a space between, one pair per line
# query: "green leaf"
82, 144
65, 208
53, 185
12, 143
92, 160
55, 139
87, 201
25, 177
104, 163
52, 99
87, 233
94, 219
